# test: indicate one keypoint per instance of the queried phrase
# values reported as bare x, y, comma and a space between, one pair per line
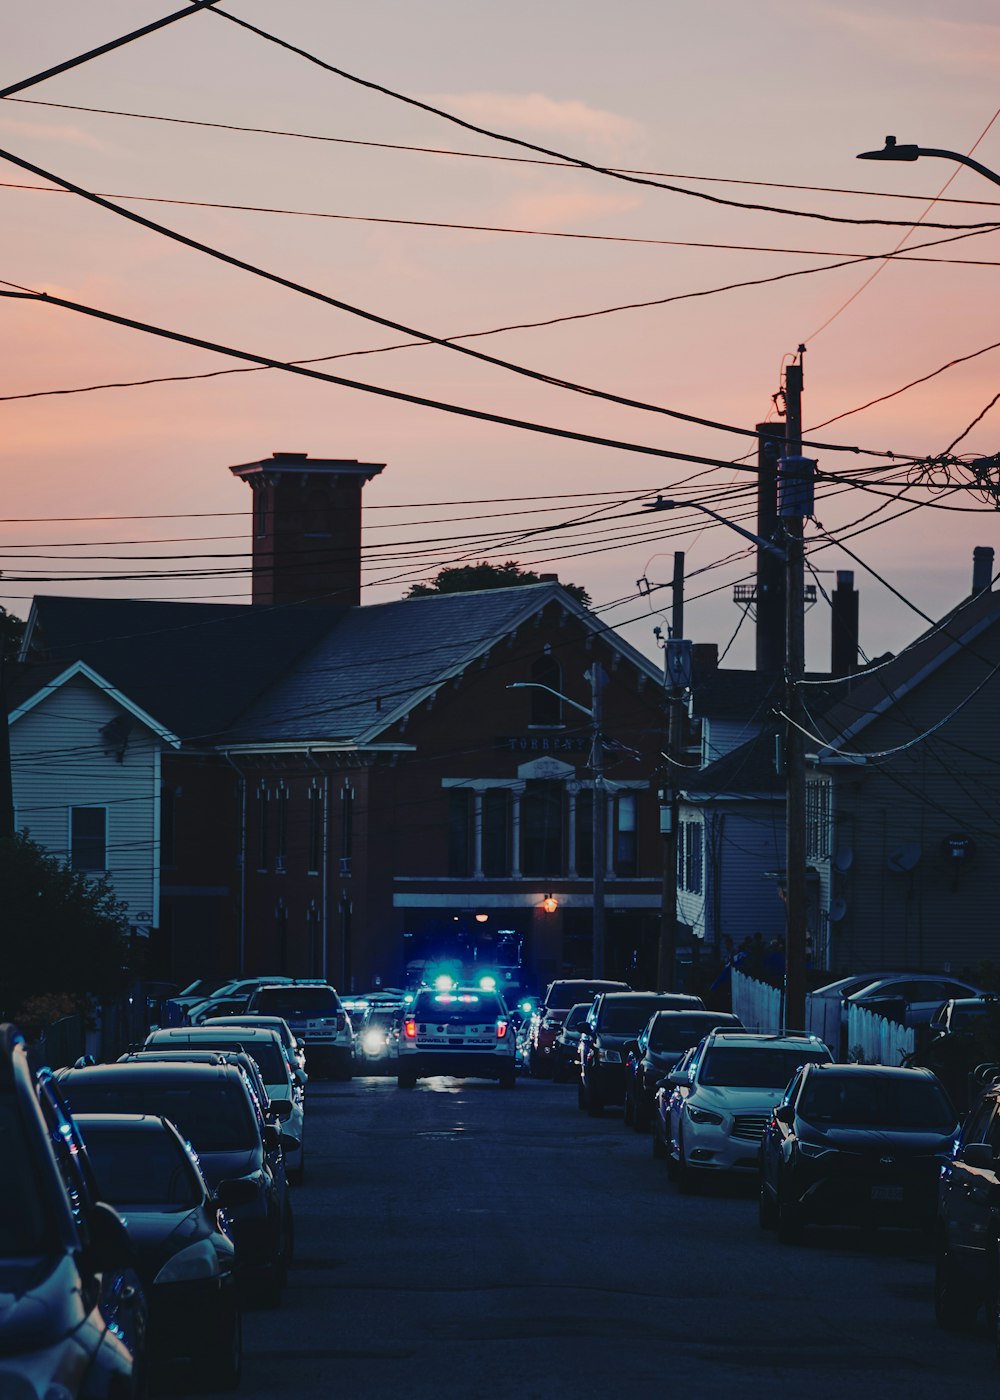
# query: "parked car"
294, 1047
184, 1251
961, 1044
661, 1043
735, 1079
965, 1233
283, 1095
549, 1017
615, 1019
179, 1009
668, 1101
918, 994
566, 1050
315, 1013
855, 1145
465, 1032
74, 1314
378, 1038
214, 1109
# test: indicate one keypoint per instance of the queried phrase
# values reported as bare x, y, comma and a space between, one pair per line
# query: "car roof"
783, 1039
681, 1013
154, 1069
914, 977
837, 1070
195, 1035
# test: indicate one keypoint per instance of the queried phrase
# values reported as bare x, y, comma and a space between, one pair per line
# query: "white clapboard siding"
58, 761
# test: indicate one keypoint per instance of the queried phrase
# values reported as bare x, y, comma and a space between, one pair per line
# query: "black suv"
855, 1145
215, 1110
614, 1020
548, 1020
965, 1235
659, 1048
73, 1319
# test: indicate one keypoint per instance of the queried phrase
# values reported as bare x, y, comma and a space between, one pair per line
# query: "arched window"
546, 708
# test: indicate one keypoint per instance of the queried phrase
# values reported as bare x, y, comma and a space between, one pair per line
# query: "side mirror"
240, 1191
110, 1244
677, 1076
282, 1109
785, 1113
271, 1138
978, 1155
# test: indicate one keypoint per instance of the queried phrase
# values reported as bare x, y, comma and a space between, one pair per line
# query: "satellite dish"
904, 858
838, 908
843, 860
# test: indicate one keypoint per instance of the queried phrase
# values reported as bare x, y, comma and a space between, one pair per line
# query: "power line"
560, 156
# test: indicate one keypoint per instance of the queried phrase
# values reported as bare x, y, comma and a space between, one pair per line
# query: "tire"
628, 1117
640, 1118
343, 1066
595, 1105
298, 1176
507, 1079
789, 1220
558, 1073
767, 1209
954, 1302
223, 1370
581, 1096
406, 1079
683, 1174
660, 1150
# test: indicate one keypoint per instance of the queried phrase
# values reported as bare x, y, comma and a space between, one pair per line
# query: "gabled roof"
747, 771
29, 697
875, 693
382, 660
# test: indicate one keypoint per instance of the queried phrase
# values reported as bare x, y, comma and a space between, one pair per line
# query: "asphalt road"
460, 1242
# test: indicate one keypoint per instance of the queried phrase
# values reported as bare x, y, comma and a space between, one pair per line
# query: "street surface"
459, 1241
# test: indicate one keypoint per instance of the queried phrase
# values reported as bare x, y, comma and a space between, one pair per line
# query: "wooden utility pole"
667, 960
598, 679
6, 777
795, 504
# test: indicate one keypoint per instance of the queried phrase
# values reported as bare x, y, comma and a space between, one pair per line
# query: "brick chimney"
307, 528
844, 626
982, 569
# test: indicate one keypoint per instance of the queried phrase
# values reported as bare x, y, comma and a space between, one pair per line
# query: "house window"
819, 818
88, 838
689, 856
585, 832
315, 829
546, 708
346, 827
542, 828
625, 835
459, 833
496, 832
263, 843
281, 853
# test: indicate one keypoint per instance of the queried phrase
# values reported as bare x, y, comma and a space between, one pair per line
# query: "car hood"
220, 1166
39, 1303
158, 1235
663, 1060
724, 1099
881, 1141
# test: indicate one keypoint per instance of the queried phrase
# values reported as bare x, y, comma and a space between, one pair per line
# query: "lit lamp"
482, 918
550, 904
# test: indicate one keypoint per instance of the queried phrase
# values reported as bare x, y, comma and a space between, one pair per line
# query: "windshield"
464, 1009
756, 1067
215, 1115
627, 1017
877, 1101
674, 1034
24, 1229
141, 1168
562, 995
268, 1053
297, 1001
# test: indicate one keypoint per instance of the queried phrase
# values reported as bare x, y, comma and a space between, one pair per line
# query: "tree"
472, 578
66, 933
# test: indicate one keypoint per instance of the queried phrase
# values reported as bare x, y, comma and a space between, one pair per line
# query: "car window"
268, 1054
978, 1122
754, 1067
874, 1101
670, 1034
24, 1227
625, 1017
139, 1168
214, 1116
457, 1008
297, 1001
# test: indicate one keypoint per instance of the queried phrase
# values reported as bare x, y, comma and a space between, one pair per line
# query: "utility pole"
6, 776
598, 679
667, 968
795, 503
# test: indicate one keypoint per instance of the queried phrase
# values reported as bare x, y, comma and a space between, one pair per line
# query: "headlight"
703, 1115
196, 1261
813, 1149
372, 1042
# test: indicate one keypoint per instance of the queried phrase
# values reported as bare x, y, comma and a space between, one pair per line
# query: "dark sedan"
659, 1048
855, 1145
214, 1109
184, 1251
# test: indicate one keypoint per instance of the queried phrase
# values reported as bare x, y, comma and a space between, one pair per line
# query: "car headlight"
196, 1261
813, 1149
703, 1115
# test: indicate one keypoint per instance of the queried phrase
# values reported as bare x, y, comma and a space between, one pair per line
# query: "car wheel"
581, 1096
788, 1221
343, 1068
558, 1076
954, 1305
406, 1079
507, 1079
595, 1105
683, 1175
298, 1176
628, 1117
224, 1368
767, 1209
659, 1147
640, 1118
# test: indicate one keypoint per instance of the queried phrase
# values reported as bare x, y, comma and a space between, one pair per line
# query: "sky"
757, 105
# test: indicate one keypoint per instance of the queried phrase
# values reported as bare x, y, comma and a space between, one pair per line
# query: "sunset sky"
763, 104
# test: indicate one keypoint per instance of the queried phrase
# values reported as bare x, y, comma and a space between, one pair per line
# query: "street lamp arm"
769, 545
537, 685
893, 151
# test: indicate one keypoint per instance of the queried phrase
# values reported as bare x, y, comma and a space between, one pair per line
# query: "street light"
598, 678
769, 545
893, 151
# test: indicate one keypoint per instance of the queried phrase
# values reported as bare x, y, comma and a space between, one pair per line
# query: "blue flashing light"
488, 983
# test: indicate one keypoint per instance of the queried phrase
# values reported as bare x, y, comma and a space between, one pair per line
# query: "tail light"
501, 1029
410, 1027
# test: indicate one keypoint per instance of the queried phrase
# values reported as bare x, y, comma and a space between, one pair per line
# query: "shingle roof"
747, 770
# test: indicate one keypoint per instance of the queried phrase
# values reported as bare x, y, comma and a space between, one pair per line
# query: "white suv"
465, 1032
736, 1078
316, 1015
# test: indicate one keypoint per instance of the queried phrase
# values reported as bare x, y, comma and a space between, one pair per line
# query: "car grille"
749, 1127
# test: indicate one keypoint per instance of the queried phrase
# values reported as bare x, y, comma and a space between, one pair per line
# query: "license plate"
887, 1193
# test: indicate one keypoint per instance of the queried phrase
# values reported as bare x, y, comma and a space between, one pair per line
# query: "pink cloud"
62, 135
542, 116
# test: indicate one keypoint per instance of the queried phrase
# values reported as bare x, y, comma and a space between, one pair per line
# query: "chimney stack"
844, 626
306, 528
982, 569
